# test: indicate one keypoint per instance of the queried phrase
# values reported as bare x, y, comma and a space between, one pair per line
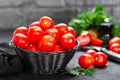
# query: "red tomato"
58, 48
46, 23
68, 41
100, 59
32, 47
84, 39
34, 34
86, 60
21, 29
47, 43
114, 40
115, 47
36, 23
54, 33
96, 41
62, 28
71, 30
91, 52
93, 33
20, 40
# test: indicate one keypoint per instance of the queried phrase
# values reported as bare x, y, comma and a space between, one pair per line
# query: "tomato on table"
91, 52
68, 41
93, 33
115, 47
20, 40
96, 41
86, 60
46, 44
114, 40
100, 59
21, 29
46, 23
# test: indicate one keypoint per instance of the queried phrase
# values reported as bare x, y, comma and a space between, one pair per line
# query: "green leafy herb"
81, 71
87, 20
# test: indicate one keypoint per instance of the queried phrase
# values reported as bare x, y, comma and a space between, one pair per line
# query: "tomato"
68, 41
21, 29
100, 59
86, 60
46, 44
93, 33
35, 23
35, 33
84, 39
91, 52
62, 28
71, 30
96, 41
58, 48
46, 23
32, 47
20, 40
115, 47
114, 40
54, 33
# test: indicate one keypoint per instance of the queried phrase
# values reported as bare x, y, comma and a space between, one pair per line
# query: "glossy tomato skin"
32, 47
62, 28
35, 23
86, 60
46, 23
68, 41
84, 39
21, 29
54, 33
114, 40
100, 59
91, 52
35, 33
115, 47
46, 44
58, 48
96, 41
72, 31
20, 40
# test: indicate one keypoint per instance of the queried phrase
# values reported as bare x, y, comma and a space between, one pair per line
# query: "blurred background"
15, 13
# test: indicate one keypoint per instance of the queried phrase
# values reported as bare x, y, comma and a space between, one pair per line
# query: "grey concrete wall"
15, 13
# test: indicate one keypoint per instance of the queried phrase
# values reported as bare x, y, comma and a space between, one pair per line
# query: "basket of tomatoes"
45, 48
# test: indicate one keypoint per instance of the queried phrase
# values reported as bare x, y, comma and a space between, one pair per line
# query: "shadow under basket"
46, 63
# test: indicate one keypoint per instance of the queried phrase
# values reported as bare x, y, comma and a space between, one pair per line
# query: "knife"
111, 55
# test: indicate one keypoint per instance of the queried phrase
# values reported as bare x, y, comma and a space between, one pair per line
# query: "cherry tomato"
84, 39
35, 23
20, 40
46, 23
34, 34
100, 59
58, 48
21, 29
54, 33
86, 60
46, 44
91, 52
96, 41
72, 31
68, 41
114, 40
115, 47
62, 28
32, 47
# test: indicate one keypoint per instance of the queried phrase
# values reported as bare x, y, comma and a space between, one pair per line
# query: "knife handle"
112, 55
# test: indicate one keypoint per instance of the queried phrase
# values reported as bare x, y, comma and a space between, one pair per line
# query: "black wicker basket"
48, 63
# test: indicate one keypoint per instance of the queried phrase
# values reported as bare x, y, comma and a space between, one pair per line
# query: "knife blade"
111, 55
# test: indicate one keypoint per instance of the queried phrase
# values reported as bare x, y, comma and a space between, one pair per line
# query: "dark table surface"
110, 72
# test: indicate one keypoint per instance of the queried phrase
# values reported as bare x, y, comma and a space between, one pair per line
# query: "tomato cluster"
87, 37
44, 35
92, 58
114, 44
